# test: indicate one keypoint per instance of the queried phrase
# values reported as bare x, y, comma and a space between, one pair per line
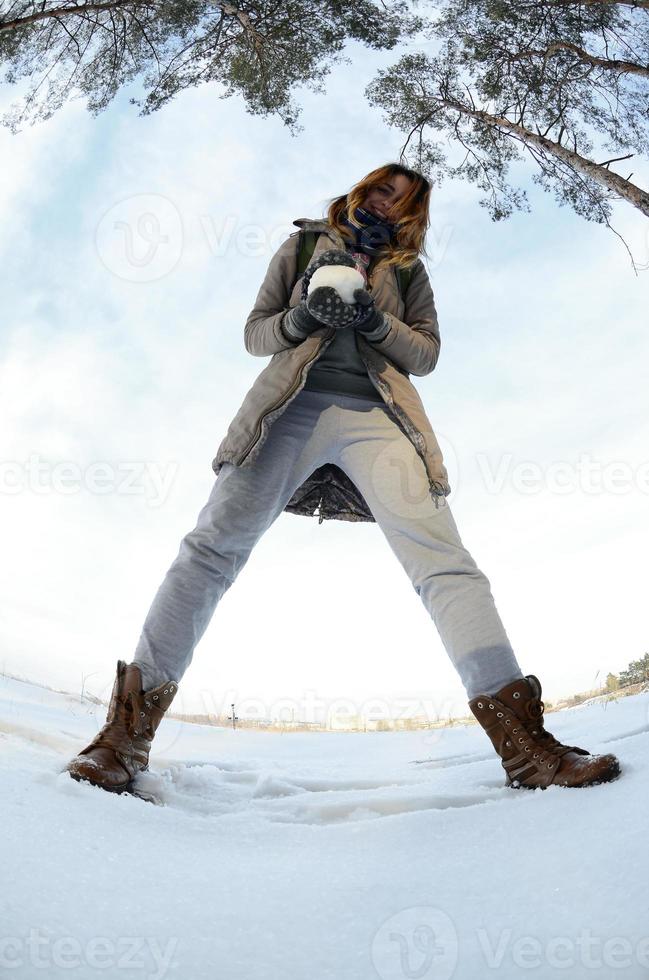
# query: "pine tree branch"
611, 64
581, 165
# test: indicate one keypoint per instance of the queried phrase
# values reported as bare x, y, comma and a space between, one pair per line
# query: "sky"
132, 253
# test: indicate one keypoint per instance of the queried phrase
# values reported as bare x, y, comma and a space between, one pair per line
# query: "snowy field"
319, 855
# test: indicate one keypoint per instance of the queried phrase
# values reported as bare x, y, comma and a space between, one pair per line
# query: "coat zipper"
391, 402
257, 434
338, 240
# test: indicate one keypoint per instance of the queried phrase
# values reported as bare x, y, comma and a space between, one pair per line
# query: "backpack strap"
403, 278
305, 248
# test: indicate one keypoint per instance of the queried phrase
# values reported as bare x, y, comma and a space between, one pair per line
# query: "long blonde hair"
410, 214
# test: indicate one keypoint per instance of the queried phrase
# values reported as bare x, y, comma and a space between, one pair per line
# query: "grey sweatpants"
363, 439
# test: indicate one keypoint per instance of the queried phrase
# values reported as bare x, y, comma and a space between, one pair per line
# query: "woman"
334, 424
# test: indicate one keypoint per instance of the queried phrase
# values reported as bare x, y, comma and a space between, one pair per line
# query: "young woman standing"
334, 425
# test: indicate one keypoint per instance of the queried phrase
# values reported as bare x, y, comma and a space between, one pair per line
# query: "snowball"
343, 278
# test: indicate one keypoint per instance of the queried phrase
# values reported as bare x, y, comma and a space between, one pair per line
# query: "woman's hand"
325, 304
298, 323
322, 307
371, 322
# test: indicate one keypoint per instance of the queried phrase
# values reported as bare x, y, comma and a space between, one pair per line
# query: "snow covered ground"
319, 855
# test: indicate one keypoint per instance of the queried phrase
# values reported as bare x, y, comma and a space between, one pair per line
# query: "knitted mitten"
372, 323
322, 307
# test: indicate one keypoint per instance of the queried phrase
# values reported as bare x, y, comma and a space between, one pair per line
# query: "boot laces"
113, 737
548, 742
118, 734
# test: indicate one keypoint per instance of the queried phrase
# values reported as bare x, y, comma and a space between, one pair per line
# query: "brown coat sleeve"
413, 343
262, 335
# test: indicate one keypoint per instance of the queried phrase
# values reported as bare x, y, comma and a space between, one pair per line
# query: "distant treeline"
636, 673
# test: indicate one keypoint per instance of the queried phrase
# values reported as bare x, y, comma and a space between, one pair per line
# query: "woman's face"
384, 196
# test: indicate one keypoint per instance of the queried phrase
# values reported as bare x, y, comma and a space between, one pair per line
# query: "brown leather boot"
532, 757
121, 748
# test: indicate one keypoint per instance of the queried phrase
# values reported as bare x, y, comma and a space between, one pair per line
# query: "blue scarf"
374, 234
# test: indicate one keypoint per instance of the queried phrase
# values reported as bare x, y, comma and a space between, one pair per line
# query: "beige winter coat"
411, 347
